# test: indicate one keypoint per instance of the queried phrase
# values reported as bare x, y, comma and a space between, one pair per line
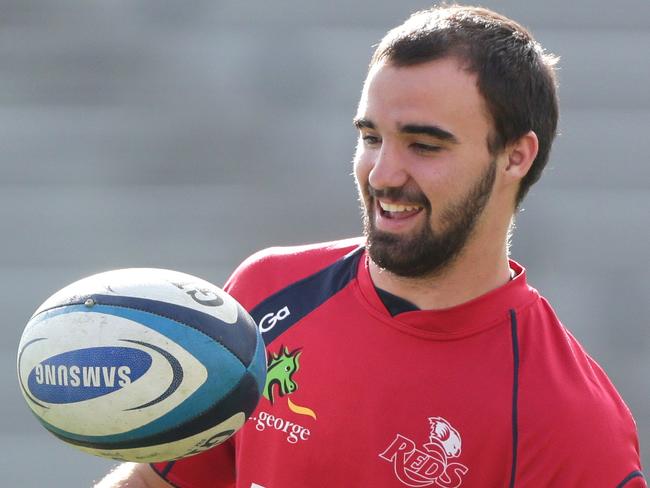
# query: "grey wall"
187, 135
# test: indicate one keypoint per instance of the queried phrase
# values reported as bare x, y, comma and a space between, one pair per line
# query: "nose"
388, 168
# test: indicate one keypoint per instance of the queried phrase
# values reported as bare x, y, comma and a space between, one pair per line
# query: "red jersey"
491, 393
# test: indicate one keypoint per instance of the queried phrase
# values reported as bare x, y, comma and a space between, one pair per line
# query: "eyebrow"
361, 123
428, 130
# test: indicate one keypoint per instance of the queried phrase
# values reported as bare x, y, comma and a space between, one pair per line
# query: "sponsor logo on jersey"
271, 319
430, 464
282, 366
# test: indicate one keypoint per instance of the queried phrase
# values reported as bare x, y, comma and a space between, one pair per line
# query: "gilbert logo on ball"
141, 365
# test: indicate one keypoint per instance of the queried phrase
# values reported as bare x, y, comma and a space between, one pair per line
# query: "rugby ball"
141, 365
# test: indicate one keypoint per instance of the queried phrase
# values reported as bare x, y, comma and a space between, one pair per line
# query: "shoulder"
275, 268
558, 375
568, 404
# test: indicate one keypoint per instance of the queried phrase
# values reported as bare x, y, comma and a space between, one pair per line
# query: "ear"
520, 156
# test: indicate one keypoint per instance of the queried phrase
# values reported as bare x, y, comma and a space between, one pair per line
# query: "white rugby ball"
141, 365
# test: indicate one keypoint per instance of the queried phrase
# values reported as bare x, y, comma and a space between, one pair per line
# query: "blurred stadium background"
187, 135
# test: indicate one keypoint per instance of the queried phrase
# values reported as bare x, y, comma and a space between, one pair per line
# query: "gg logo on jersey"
270, 319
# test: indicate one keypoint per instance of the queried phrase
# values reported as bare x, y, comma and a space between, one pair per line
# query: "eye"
425, 148
370, 140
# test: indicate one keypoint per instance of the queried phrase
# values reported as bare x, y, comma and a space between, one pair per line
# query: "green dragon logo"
279, 378
279, 371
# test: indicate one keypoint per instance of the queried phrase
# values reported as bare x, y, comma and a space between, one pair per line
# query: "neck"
472, 274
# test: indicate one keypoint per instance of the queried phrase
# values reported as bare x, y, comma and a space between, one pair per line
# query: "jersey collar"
468, 318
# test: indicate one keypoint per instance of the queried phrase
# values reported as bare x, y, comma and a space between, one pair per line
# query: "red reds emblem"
429, 465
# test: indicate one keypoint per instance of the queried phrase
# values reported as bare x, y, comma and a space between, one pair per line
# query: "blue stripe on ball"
227, 334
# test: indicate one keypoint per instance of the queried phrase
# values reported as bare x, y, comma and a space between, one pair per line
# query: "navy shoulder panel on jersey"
284, 308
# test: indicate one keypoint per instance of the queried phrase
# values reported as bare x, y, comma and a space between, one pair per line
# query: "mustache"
399, 194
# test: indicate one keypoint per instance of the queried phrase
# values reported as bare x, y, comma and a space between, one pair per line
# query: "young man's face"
422, 165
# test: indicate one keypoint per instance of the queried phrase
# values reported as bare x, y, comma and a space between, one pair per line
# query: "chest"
351, 400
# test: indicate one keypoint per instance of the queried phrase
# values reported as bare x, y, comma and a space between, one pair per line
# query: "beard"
425, 252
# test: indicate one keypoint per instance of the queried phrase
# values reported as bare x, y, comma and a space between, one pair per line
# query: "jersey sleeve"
634, 480
583, 454
579, 432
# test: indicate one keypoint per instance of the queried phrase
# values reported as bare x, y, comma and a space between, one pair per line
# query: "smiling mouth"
398, 211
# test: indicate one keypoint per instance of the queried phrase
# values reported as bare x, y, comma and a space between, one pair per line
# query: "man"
419, 356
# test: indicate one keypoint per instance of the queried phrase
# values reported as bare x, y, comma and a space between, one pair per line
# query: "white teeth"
391, 207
